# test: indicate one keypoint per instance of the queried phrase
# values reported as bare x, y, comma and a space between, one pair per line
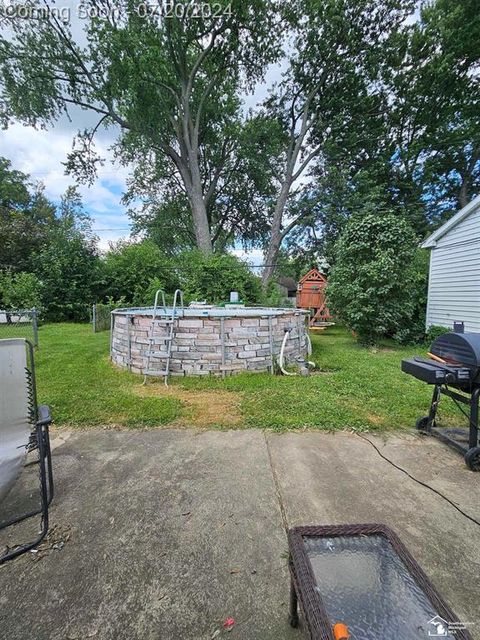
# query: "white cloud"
40, 153
254, 257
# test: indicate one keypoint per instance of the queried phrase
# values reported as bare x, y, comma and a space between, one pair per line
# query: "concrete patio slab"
340, 478
173, 531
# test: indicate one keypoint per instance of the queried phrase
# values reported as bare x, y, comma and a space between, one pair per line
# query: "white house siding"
454, 284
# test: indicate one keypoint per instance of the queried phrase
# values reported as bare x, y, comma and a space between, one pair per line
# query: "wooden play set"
311, 295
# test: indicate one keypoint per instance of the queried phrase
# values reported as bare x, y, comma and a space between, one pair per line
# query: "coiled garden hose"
309, 350
281, 361
282, 354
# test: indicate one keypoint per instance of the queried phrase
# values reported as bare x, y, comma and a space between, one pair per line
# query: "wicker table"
363, 578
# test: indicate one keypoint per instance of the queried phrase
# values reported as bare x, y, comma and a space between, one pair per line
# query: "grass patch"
75, 377
203, 408
353, 387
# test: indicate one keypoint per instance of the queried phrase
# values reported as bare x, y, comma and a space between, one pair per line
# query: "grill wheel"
472, 459
421, 423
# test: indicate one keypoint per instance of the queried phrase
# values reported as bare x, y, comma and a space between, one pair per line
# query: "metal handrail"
164, 304
178, 294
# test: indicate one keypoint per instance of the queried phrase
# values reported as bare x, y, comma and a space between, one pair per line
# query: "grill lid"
458, 348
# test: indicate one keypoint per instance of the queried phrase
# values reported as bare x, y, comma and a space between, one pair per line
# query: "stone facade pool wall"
210, 343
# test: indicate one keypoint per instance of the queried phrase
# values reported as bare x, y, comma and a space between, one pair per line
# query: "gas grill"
453, 367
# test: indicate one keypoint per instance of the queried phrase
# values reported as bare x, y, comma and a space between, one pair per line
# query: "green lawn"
354, 387
75, 377
16, 331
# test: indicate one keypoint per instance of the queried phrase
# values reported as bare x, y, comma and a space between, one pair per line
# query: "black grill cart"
453, 368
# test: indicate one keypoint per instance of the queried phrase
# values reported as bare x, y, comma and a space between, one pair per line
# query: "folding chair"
23, 429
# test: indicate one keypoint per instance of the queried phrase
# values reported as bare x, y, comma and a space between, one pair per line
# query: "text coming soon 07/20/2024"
161, 9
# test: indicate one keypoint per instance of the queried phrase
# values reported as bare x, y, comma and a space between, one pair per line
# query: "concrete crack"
276, 484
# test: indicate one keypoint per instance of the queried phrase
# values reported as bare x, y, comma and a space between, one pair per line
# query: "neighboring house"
454, 281
288, 288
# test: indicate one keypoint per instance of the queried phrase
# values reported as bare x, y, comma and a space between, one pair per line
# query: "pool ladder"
167, 322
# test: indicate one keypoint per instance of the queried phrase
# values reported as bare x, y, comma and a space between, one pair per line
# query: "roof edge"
431, 241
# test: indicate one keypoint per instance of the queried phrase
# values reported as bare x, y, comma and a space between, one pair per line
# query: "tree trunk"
200, 222
187, 165
276, 235
197, 201
271, 256
293, 153
463, 194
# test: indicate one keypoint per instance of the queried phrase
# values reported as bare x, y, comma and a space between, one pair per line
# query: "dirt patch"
382, 350
374, 418
206, 408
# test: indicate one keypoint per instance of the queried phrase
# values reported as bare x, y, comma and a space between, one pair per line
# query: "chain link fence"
19, 323
101, 314
101, 317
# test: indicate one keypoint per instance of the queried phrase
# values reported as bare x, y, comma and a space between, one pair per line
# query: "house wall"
454, 283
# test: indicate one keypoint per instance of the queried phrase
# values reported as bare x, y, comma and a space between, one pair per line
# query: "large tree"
429, 149
449, 166
169, 83
407, 139
238, 206
26, 219
48, 255
68, 267
330, 83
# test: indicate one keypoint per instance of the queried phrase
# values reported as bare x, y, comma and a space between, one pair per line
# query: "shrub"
434, 331
413, 329
103, 311
20, 290
370, 285
211, 278
273, 297
133, 269
145, 296
70, 273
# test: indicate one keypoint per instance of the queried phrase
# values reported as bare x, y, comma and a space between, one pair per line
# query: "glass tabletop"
364, 584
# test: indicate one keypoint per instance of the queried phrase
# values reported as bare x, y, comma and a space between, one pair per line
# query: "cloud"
40, 153
254, 257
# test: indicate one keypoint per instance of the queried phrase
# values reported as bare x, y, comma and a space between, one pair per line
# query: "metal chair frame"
39, 440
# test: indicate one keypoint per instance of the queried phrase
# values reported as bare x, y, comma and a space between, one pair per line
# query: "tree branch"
306, 162
293, 223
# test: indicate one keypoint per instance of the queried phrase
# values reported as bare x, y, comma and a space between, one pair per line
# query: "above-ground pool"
209, 340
